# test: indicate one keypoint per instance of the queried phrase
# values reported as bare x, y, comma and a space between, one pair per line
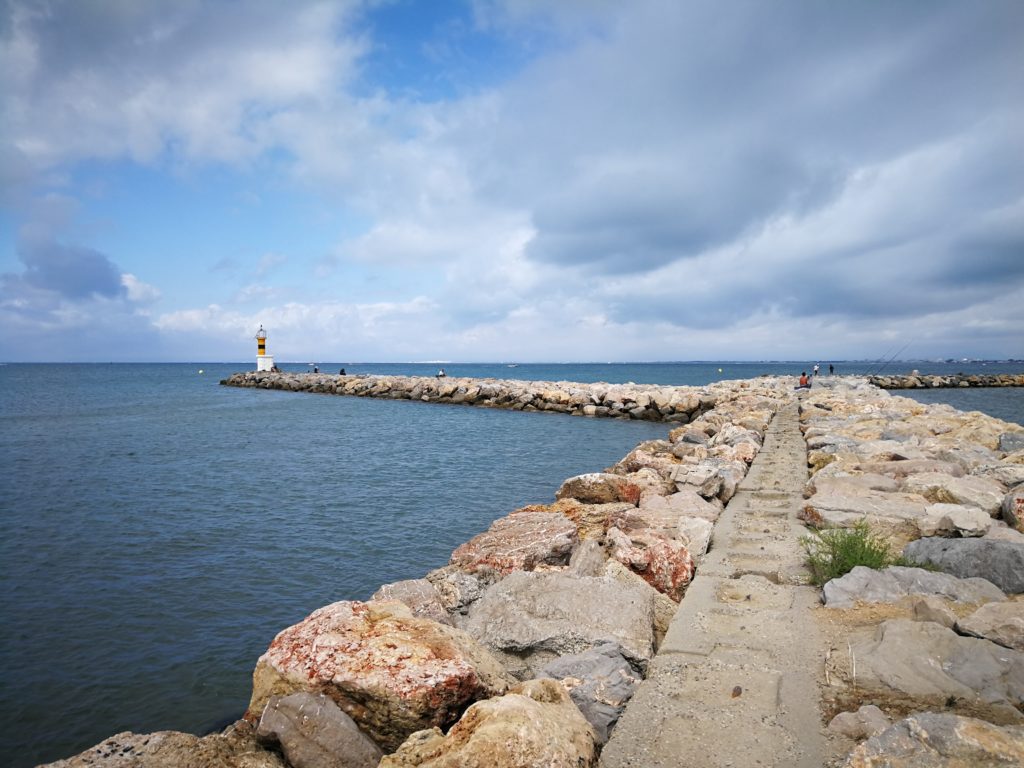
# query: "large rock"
685, 503
892, 584
663, 562
1011, 441
1012, 508
981, 492
519, 542
419, 595
932, 664
665, 607
599, 488
939, 740
695, 534
535, 724
456, 589
912, 467
312, 732
1002, 623
391, 672
591, 520
865, 722
896, 514
954, 520
529, 618
235, 748
1001, 562
600, 682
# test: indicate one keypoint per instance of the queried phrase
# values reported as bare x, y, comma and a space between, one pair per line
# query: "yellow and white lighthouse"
264, 362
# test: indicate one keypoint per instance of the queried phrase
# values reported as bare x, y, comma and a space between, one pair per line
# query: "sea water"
159, 529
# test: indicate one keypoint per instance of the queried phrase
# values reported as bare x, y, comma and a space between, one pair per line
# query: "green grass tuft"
837, 551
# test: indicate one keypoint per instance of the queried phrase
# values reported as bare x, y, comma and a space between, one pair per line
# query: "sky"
511, 180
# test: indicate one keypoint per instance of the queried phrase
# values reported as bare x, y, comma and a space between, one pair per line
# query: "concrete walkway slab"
735, 682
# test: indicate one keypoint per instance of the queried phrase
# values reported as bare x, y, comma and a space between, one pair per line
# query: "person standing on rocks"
816, 367
831, 369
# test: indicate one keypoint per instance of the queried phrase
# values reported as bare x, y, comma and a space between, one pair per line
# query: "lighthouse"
264, 362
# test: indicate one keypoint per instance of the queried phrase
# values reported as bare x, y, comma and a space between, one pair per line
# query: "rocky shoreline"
525, 649
934, 381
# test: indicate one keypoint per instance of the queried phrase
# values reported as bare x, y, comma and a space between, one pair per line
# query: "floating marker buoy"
200, 370
719, 370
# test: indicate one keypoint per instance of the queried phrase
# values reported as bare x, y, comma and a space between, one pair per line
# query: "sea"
159, 529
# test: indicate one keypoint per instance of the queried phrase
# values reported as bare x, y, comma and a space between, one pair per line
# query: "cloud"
653, 180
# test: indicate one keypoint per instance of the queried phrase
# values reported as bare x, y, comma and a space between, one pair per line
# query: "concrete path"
734, 682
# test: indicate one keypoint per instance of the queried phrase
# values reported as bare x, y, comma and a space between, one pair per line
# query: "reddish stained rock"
600, 488
591, 520
391, 672
519, 542
663, 562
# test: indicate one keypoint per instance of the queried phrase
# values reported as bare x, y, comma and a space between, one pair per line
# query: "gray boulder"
929, 662
892, 584
934, 740
529, 618
600, 682
1002, 623
1001, 562
312, 732
1012, 508
1011, 441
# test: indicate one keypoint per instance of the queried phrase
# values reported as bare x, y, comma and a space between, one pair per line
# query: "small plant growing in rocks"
835, 552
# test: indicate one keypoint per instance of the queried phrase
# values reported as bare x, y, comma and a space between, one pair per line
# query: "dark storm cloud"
73, 272
694, 126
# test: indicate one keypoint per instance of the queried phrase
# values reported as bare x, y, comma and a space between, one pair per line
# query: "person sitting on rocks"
441, 374
804, 381
341, 372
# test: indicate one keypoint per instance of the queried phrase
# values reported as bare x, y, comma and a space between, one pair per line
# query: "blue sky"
473, 180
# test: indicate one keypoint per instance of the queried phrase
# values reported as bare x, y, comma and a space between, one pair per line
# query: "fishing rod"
887, 362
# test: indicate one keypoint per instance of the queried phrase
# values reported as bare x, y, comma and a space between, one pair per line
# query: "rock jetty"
530, 645
923, 661
624, 401
963, 380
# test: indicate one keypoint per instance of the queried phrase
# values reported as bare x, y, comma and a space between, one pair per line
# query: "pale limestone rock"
981, 492
528, 619
535, 724
865, 722
234, 748
932, 740
929, 608
954, 520
1002, 623
419, 595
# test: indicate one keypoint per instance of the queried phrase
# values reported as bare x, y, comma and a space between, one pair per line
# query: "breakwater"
924, 381
527, 647
624, 401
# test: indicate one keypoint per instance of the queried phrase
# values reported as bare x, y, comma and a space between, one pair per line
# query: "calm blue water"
158, 529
